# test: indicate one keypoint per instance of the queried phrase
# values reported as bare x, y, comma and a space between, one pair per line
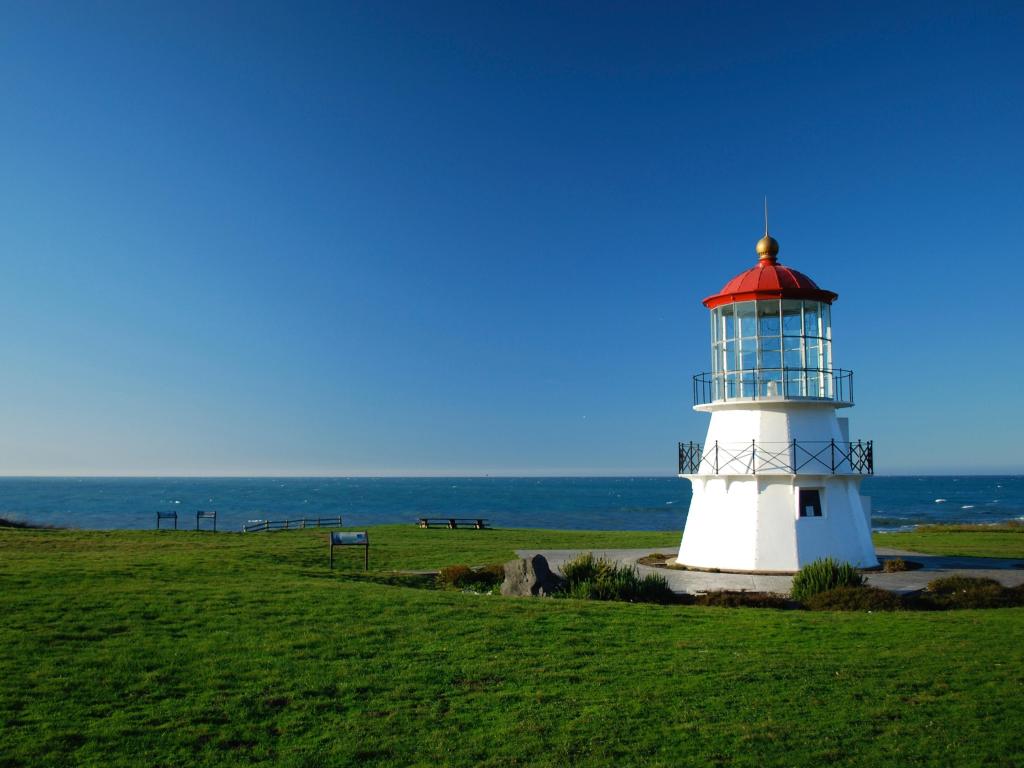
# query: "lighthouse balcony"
829, 385
756, 457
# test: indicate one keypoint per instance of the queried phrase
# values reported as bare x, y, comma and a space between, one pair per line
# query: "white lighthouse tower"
776, 483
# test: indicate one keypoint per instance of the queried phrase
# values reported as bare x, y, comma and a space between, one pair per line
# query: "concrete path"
1008, 572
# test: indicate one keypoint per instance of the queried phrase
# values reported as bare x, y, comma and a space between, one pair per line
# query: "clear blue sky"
395, 238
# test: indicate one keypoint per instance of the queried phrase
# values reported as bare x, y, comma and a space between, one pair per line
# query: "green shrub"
495, 571
731, 599
895, 565
581, 568
487, 578
823, 575
854, 599
580, 589
949, 585
453, 575
590, 578
950, 592
653, 588
463, 577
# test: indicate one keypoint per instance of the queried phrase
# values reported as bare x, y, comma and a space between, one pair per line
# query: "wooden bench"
201, 515
167, 516
453, 522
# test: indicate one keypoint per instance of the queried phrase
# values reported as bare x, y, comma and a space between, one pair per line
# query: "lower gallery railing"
756, 457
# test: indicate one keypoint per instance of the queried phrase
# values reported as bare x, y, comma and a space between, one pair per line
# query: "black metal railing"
833, 384
795, 456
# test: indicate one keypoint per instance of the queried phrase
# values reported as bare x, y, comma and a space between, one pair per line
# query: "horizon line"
443, 476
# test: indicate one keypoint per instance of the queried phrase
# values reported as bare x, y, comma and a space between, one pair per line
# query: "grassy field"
174, 648
1006, 540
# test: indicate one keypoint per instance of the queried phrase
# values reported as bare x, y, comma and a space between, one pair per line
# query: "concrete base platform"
1006, 572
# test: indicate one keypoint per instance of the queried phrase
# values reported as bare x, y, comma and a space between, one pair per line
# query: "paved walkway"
1008, 572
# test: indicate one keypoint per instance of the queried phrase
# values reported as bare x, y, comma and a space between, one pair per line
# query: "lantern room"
771, 337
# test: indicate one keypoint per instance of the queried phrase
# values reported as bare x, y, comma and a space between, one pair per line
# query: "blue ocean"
626, 503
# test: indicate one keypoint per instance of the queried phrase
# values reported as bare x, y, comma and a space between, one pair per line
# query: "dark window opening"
810, 502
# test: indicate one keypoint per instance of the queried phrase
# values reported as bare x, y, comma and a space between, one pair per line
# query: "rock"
531, 576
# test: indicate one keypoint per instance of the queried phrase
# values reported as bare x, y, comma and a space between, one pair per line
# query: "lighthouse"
776, 483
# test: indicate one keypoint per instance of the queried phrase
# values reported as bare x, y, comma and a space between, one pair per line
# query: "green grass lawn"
174, 648
970, 540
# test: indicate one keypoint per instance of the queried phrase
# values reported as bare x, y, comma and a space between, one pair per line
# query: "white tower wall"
744, 515
752, 523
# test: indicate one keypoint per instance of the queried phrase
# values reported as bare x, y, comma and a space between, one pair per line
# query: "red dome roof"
769, 280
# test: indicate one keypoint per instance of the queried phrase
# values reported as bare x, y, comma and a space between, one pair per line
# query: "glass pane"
729, 322
795, 384
749, 386
716, 318
792, 359
716, 357
826, 320
745, 313
771, 359
748, 357
811, 318
771, 344
730, 355
791, 342
732, 386
813, 354
791, 317
768, 318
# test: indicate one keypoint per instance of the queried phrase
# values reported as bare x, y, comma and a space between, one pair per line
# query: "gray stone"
529, 576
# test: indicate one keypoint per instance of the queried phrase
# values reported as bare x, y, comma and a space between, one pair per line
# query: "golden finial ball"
767, 247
